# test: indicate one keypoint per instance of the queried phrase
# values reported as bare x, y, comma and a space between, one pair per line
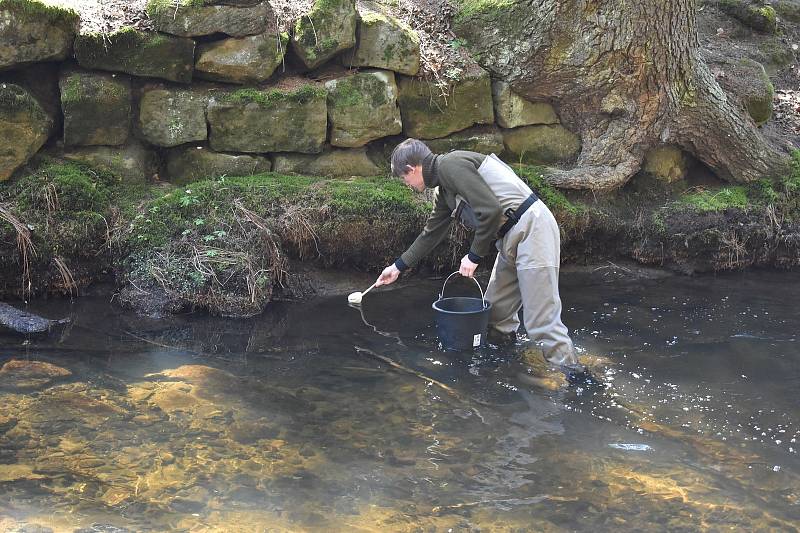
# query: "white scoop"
355, 297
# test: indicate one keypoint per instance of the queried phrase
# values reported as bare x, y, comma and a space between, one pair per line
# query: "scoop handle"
370, 288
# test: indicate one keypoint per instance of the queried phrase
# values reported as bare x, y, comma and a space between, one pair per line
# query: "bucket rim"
486, 305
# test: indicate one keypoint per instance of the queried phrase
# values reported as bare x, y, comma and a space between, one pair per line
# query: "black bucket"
461, 322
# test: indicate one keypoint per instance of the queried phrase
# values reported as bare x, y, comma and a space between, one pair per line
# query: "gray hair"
409, 152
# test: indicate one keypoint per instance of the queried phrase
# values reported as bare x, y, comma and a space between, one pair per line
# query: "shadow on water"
321, 416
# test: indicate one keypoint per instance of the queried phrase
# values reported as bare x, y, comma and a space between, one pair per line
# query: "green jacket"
455, 177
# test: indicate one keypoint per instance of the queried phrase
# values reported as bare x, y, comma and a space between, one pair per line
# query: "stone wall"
218, 89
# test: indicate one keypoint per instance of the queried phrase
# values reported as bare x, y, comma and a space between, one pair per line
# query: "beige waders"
525, 275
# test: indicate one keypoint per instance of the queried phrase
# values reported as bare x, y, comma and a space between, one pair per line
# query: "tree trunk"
626, 75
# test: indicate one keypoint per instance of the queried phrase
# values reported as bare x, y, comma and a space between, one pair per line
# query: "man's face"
413, 178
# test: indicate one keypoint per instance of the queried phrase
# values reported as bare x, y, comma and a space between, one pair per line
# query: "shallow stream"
318, 416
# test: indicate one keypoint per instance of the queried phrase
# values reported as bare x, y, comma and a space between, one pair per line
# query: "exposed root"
595, 178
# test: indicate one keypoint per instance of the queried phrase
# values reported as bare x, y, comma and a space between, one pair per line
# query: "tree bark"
626, 75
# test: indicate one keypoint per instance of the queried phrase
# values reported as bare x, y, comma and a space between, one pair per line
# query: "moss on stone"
137, 52
787, 9
155, 8
354, 90
274, 96
15, 99
39, 11
312, 31
777, 53
468, 8
760, 108
71, 89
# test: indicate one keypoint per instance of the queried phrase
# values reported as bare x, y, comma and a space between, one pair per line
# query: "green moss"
760, 108
788, 10
357, 89
552, 197
734, 197
388, 52
269, 98
372, 18
345, 95
468, 8
791, 183
15, 99
156, 8
370, 196
71, 89
69, 210
768, 13
323, 14
39, 11
776, 52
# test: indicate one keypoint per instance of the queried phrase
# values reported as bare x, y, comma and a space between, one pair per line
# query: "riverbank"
232, 245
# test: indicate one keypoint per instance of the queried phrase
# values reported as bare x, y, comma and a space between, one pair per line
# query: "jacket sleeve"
435, 230
461, 175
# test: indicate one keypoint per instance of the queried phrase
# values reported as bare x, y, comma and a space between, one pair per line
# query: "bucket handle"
483, 296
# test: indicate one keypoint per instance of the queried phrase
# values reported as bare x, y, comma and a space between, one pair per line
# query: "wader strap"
514, 215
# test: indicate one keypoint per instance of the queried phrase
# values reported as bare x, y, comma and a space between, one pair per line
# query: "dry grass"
67, 278
24, 244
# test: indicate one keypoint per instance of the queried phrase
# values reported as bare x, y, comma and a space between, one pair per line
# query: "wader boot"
525, 276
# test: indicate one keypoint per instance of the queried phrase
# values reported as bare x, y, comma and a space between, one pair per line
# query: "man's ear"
409, 168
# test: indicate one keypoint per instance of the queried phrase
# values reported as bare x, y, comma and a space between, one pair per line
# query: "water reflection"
323, 417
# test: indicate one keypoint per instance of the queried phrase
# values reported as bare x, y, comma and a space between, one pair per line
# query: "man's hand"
467, 268
388, 276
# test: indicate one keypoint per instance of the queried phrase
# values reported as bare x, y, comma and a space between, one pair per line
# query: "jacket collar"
430, 170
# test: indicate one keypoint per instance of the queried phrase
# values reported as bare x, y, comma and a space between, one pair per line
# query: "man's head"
407, 160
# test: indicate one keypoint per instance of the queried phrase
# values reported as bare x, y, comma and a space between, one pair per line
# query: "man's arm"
435, 230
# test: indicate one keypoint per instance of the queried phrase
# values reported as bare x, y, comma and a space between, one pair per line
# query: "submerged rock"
24, 127
32, 32
362, 108
24, 322
147, 54
326, 30
85, 96
7, 422
18, 374
428, 115
18, 472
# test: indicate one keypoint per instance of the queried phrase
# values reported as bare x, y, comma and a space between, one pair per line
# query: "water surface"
318, 416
